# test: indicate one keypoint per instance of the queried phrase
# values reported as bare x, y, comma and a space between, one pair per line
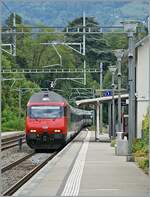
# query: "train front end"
46, 125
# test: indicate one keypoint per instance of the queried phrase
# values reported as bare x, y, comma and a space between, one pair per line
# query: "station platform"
87, 168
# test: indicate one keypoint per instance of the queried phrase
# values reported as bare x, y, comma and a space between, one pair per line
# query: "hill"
60, 12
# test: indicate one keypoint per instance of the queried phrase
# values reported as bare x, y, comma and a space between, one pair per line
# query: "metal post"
14, 36
60, 57
101, 105
109, 119
130, 29
113, 106
131, 78
119, 54
93, 93
20, 143
119, 95
84, 48
84, 72
97, 122
113, 70
19, 107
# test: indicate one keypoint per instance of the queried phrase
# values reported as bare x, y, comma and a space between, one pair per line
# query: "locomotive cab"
46, 122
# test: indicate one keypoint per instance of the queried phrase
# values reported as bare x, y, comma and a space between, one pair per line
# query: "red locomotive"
51, 121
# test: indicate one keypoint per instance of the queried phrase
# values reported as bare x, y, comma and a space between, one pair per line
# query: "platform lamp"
130, 28
113, 69
119, 54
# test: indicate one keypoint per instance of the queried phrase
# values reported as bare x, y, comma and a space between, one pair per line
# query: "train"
51, 121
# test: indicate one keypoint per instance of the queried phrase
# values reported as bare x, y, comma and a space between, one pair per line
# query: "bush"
10, 121
140, 147
13, 124
143, 163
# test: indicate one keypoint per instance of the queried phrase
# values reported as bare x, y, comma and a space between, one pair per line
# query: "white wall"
142, 83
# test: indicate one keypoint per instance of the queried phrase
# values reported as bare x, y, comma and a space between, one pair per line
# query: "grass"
143, 163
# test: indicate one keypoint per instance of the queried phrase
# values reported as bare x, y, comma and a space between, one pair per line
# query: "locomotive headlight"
57, 130
32, 130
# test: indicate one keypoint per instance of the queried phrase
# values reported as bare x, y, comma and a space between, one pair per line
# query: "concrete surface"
108, 175
87, 168
8, 134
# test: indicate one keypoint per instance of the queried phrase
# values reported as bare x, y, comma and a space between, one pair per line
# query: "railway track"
32, 172
13, 164
9, 138
24, 179
12, 141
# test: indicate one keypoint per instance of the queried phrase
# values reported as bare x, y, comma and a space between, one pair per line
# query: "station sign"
107, 93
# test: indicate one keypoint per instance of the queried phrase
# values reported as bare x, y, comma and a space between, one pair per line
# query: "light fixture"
112, 69
33, 131
130, 26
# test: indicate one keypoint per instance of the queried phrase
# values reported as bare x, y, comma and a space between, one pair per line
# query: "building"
142, 81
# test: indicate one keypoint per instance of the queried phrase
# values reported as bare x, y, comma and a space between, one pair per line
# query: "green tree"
9, 20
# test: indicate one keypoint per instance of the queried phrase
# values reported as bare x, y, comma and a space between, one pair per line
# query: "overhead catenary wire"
5, 5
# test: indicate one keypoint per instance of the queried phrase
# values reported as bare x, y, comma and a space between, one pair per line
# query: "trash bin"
121, 145
119, 135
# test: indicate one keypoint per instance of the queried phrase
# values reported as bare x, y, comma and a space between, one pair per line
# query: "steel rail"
10, 146
12, 141
8, 167
12, 137
22, 181
17, 185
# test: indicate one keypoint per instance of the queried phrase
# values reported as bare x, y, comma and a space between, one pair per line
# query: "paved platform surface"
87, 168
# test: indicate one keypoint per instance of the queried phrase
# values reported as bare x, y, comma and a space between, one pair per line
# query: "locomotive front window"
46, 112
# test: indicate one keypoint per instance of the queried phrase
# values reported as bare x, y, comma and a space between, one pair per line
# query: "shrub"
143, 163
140, 147
10, 121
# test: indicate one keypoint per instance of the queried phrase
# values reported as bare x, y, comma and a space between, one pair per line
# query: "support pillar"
97, 122
130, 27
113, 115
84, 31
101, 118
101, 104
19, 115
109, 119
131, 79
14, 36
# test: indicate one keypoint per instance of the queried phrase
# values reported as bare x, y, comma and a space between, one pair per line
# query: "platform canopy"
100, 99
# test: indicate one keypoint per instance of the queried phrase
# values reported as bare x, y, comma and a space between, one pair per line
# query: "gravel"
12, 176
10, 155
